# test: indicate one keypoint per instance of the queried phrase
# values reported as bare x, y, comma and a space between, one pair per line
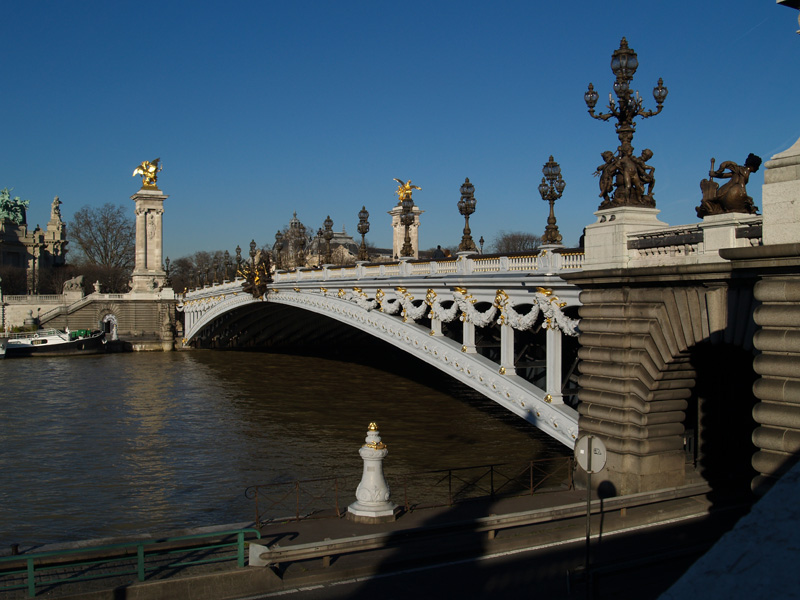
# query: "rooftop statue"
149, 172
731, 197
404, 190
55, 210
12, 209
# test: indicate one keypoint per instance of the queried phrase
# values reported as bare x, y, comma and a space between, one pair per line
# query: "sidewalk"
415, 538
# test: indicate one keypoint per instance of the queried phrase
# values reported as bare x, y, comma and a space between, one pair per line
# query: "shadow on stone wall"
721, 415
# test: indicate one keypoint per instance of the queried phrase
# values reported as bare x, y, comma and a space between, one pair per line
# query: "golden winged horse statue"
149, 172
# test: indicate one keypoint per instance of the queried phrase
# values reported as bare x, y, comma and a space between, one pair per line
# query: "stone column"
469, 337
148, 273
507, 350
553, 371
399, 231
777, 414
436, 326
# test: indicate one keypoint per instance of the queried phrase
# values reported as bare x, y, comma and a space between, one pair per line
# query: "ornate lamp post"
551, 189
301, 245
363, 229
406, 218
277, 247
480, 241
328, 235
466, 206
227, 262
238, 258
253, 256
623, 172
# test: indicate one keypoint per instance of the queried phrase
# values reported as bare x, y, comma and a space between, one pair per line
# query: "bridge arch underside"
297, 322
666, 378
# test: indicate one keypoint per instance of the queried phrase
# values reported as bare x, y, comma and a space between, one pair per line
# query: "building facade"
32, 250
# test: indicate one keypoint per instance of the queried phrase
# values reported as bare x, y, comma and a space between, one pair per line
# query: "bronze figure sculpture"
257, 274
149, 172
623, 176
732, 196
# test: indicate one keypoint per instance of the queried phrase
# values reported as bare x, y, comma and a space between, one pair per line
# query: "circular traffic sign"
591, 446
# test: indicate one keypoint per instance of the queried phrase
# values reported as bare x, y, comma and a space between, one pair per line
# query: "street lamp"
319, 247
363, 229
253, 256
624, 173
301, 245
466, 206
278, 246
480, 241
551, 189
328, 235
406, 218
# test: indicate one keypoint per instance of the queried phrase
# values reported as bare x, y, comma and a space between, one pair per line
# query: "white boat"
3, 343
54, 342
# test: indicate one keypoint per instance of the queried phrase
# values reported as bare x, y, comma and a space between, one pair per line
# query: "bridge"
496, 324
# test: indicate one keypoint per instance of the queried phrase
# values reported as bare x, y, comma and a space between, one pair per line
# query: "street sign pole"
590, 453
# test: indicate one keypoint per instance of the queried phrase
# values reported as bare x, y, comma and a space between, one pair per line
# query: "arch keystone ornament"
373, 504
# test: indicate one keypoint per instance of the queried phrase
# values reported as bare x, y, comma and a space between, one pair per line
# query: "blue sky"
259, 109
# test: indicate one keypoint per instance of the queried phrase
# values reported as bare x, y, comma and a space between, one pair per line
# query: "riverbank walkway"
320, 552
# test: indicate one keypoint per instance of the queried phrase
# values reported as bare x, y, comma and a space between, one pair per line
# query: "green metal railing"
41, 564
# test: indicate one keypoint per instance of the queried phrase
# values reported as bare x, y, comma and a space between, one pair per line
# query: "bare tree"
103, 245
515, 241
104, 236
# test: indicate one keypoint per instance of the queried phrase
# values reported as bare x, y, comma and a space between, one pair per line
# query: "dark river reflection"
126, 443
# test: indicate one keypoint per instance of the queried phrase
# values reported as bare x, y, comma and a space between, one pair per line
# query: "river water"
117, 444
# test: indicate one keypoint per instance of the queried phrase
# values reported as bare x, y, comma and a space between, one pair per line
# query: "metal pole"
588, 517
240, 542
140, 561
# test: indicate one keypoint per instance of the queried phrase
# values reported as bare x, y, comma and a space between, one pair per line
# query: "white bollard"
373, 503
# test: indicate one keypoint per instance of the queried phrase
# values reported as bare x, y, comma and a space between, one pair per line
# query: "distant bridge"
495, 324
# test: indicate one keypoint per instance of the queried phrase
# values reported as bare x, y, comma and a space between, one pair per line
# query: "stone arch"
108, 321
645, 349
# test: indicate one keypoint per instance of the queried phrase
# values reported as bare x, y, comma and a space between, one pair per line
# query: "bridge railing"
67, 308
328, 497
33, 299
546, 262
